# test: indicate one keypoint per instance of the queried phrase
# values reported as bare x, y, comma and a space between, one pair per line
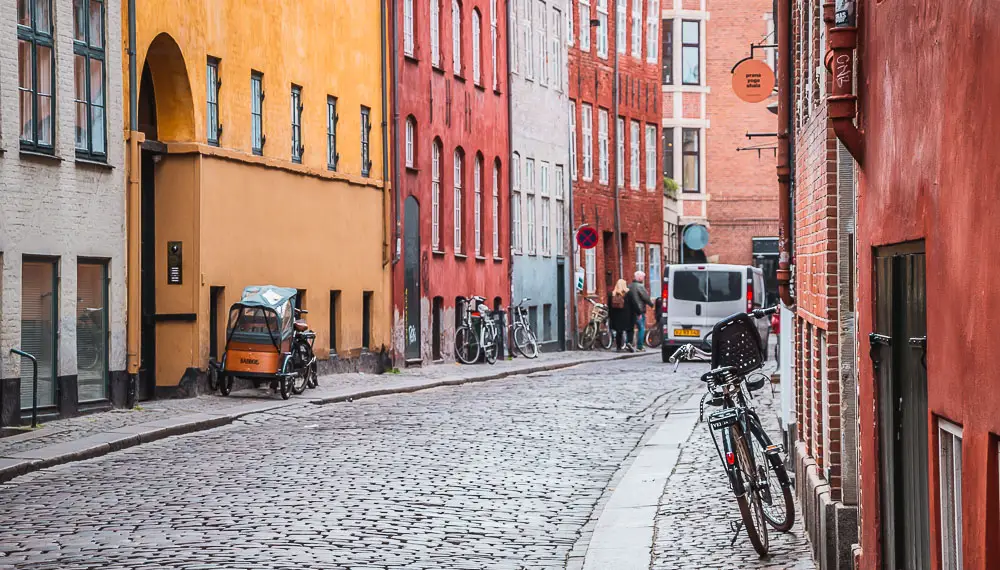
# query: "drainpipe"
396, 188
784, 25
843, 103
385, 131
510, 178
133, 220
614, 149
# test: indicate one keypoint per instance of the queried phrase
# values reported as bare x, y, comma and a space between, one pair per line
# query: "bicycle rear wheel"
466, 345
490, 345
587, 336
525, 342
751, 509
605, 337
654, 336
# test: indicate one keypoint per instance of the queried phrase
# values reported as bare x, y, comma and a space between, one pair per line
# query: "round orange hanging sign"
753, 80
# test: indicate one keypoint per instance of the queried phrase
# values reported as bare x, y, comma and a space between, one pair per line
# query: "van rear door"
699, 298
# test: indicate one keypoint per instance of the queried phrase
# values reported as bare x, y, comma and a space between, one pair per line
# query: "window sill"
411, 58
497, 92
686, 88
480, 258
438, 252
438, 69
89, 162
40, 156
412, 169
461, 255
497, 260
458, 77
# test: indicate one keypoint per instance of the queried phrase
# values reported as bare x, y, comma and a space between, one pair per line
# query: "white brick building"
62, 203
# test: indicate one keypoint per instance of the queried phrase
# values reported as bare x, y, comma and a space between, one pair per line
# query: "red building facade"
452, 148
608, 148
928, 231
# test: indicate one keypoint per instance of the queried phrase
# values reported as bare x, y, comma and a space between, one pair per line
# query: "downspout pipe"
133, 221
385, 127
396, 186
784, 168
614, 175
843, 102
508, 47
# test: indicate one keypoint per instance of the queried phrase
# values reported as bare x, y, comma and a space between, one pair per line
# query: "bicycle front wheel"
466, 345
605, 337
525, 342
751, 508
654, 336
490, 345
588, 335
779, 509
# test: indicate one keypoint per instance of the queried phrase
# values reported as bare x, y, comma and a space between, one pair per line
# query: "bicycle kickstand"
736, 527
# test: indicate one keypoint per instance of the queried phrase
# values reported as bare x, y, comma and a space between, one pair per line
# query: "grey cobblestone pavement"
497, 475
68, 430
692, 521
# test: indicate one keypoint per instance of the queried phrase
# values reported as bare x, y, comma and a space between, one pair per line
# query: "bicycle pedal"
775, 448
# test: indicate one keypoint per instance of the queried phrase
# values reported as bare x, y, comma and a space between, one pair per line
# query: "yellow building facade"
259, 157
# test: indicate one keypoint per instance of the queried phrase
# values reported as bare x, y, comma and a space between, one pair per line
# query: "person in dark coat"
639, 300
621, 315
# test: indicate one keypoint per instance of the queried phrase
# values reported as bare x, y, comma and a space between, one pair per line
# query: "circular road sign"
696, 237
586, 237
753, 80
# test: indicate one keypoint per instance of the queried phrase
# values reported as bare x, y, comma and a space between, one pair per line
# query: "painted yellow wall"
250, 220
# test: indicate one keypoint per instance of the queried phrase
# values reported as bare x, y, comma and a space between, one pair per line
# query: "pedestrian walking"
621, 315
638, 301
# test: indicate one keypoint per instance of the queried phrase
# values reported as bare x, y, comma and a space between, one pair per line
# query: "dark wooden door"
897, 349
411, 278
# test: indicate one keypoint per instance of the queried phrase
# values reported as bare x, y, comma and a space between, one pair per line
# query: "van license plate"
687, 332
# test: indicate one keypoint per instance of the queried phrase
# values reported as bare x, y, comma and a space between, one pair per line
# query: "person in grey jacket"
639, 300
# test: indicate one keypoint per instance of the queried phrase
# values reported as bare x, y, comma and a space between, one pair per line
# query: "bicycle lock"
34, 384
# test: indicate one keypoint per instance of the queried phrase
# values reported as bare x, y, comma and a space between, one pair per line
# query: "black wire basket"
736, 343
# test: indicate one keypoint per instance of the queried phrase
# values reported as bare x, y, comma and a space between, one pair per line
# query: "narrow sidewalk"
75, 439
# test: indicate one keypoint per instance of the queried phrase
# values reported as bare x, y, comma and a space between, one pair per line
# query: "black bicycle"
753, 463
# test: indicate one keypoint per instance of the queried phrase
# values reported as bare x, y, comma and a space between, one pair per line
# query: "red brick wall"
742, 185
591, 81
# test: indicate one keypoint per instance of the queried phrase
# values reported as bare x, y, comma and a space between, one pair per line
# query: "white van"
696, 296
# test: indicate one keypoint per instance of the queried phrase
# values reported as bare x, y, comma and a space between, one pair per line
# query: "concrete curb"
96, 445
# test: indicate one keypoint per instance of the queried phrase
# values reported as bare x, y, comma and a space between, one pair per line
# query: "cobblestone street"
506, 474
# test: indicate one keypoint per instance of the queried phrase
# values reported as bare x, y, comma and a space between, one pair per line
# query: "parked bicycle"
89, 334
654, 332
524, 338
597, 330
753, 463
478, 333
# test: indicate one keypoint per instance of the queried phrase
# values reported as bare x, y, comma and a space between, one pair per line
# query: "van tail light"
749, 297
664, 295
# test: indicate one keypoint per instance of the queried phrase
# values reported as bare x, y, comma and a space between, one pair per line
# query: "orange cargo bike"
267, 343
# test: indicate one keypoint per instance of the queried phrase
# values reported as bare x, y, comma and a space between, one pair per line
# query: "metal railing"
34, 384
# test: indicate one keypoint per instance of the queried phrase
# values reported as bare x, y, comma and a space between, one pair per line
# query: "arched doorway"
411, 277
166, 114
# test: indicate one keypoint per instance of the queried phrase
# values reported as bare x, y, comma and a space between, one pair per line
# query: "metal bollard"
34, 384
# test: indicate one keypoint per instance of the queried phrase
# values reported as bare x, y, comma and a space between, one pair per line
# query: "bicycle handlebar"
761, 313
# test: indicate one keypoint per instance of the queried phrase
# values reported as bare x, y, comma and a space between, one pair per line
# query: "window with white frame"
621, 26
435, 25
477, 206
529, 59
514, 35
555, 50
540, 43
456, 37
590, 262
634, 147
569, 24
458, 201
584, 25
572, 140
655, 260
436, 196
408, 27
650, 157
587, 120
560, 210
411, 128
620, 152
652, 30
213, 84
950, 473
529, 194
640, 257
496, 209
602, 145
493, 43
477, 38
515, 204
602, 28
637, 28
543, 172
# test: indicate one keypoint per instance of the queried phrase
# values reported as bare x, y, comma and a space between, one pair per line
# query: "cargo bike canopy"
264, 315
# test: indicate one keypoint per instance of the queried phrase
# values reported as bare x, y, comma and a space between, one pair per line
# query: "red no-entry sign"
586, 237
